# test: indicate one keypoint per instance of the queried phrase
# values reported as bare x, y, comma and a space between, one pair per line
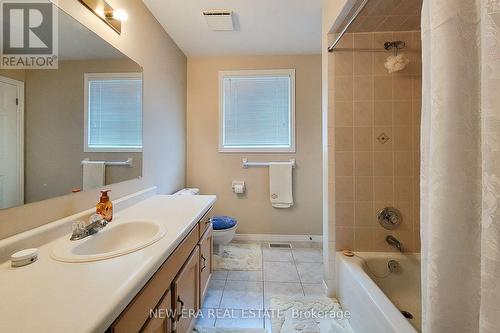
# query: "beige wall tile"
363, 239
383, 188
402, 112
383, 164
403, 163
403, 188
382, 113
344, 238
343, 88
363, 214
402, 87
363, 163
343, 62
344, 188
377, 145
406, 209
344, 214
363, 190
379, 59
363, 41
363, 63
382, 87
363, 139
363, 88
344, 163
343, 139
402, 138
343, 114
363, 113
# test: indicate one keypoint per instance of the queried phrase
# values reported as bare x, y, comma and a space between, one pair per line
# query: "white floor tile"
274, 289
280, 272
314, 289
307, 255
239, 319
277, 254
310, 272
214, 294
245, 275
219, 275
206, 318
243, 295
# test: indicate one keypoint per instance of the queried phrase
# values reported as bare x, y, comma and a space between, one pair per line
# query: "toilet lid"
223, 222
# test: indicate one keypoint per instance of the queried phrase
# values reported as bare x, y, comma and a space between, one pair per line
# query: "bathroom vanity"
176, 291
132, 292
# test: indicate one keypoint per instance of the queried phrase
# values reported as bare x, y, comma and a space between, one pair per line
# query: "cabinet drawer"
205, 222
137, 312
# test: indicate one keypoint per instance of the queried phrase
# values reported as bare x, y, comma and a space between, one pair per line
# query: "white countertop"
52, 296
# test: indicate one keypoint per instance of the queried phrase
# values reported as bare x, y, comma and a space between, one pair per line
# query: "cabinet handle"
208, 221
204, 262
182, 307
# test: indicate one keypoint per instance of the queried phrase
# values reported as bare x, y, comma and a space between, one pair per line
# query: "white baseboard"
279, 238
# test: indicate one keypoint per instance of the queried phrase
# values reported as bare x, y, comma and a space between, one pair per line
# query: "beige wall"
213, 171
366, 175
164, 65
54, 126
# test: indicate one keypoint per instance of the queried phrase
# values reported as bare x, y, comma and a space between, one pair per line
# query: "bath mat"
238, 257
308, 314
227, 330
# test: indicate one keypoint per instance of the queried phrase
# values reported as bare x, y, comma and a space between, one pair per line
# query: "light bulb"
120, 15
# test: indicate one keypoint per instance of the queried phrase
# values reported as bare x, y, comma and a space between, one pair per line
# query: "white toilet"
224, 227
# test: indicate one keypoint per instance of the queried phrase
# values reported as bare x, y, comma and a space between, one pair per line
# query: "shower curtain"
460, 168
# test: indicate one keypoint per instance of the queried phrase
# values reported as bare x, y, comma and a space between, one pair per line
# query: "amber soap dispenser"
105, 207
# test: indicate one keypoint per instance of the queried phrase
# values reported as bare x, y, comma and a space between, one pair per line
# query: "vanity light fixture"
112, 17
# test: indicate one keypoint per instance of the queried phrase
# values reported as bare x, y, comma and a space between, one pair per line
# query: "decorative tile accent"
383, 138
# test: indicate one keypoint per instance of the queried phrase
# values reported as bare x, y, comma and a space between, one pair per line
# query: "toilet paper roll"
239, 189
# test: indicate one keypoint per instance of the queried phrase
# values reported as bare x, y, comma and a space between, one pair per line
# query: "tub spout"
392, 241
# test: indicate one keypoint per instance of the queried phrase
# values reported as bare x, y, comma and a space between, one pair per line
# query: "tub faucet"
392, 241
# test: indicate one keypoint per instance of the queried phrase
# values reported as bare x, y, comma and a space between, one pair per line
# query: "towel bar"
247, 164
127, 163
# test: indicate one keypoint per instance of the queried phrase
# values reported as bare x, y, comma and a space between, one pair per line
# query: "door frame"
20, 133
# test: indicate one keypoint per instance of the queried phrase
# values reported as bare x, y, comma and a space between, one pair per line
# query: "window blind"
115, 113
257, 112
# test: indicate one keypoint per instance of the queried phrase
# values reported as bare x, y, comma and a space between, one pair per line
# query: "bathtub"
375, 304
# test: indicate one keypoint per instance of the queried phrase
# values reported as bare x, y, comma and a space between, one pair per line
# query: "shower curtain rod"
349, 23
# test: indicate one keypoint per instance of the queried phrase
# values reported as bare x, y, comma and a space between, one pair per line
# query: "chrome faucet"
82, 230
392, 241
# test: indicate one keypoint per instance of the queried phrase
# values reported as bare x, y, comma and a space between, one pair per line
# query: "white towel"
280, 184
93, 174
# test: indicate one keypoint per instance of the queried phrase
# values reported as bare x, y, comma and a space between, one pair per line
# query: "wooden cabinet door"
186, 293
206, 251
162, 321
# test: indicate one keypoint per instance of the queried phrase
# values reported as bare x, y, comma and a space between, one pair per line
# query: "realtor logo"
29, 34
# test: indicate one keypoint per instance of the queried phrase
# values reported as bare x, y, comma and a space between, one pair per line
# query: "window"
257, 111
113, 112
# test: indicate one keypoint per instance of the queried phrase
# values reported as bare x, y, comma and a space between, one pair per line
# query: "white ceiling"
261, 26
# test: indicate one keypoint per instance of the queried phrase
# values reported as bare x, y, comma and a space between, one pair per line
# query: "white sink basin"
116, 239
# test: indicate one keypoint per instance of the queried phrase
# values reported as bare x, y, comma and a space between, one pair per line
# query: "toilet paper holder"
238, 186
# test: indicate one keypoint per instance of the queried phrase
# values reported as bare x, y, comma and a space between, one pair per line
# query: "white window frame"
256, 73
97, 76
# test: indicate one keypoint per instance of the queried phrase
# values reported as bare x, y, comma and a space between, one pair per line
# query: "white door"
11, 150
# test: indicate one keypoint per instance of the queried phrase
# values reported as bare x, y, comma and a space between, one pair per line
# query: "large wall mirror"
70, 129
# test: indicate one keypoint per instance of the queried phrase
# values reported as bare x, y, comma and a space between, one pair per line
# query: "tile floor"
286, 272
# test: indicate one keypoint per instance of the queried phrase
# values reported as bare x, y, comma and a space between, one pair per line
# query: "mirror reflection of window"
113, 112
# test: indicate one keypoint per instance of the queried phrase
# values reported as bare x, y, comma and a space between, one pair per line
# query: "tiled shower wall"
374, 137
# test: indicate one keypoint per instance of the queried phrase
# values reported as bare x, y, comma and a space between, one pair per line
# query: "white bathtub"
375, 303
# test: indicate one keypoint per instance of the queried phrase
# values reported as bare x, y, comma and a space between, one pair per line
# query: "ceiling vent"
219, 20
